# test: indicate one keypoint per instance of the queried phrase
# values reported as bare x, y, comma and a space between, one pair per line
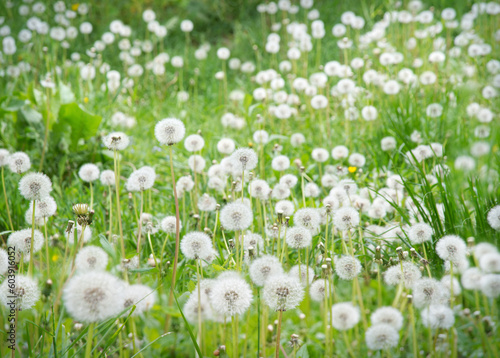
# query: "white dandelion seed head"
459, 266
287, 207
308, 218
207, 203
196, 245
494, 217
91, 258
471, 278
332, 201
346, 218
170, 131
297, 139
141, 179
116, 141
194, 307
108, 177
311, 190
93, 296
438, 316
44, 208
420, 233
19, 162
329, 180
260, 137
483, 248
253, 240
427, 291
302, 274
194, 143
142, 296
4, 261
349, 186
22, 240
280, 192
319, 289
298, 237
258, 188
347, 267
289, 180
87, 234
357, 160
283, 292
344, 316
490, 285
340, 152
236, 216
490, 262
196, 163
264, 267
451, 248
231, 295
280, 163
320, 155
388, 143
89, 172
226, 146
244, 159
169, 224
446, 281
35, 186
409, 274
4, 157
26, 292
381, 336
387, 315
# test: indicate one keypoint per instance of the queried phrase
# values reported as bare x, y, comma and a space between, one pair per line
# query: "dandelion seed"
451, 248
490, 285
231, 295
196, 245
344, 316
298, 237
264, 267
427, 291
387, 315
91, 258
409, 275
93, 296
116, 141
305, 273
169, 131
24, 291
244, 159
283, 292
438, 316
346, 218
347, 267
19, 162
22, 240
420, 233
35, 186
236, 216
381, 336
143, 297
308, 218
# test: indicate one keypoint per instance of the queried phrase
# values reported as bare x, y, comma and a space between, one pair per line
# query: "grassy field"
267, 180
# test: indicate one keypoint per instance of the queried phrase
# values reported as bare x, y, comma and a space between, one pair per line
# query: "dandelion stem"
278, 334
30, 266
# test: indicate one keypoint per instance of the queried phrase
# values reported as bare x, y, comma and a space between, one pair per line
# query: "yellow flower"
352, 169
74, 7
86, 100
55, 257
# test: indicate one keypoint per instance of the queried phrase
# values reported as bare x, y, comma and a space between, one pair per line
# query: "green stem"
6, 201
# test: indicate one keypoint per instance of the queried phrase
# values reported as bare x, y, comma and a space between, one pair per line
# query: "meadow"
249, 179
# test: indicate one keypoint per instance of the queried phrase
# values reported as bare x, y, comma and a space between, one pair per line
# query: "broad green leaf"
80, 124
31, 115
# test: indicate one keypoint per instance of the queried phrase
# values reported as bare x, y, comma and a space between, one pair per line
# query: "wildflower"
344, 316
347, 267
89, 172
194, 143
142, 296
116, 141
490, 285
168, 224
438, 316
245, 159
25, 292
409, 274
387, 315
236, 216
91, 258
107, 177
305, 274
381, 336
196, 245
19, 162
141, 179
283, 292
420, 233
264, 267
169, 131
298, 237
93, 296
451, 248
308, 218
22, 240
346, 218
226, 146
494, 217
428, 291
230, 295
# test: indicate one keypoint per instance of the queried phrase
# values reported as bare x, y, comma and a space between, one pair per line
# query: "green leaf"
79, 123
302, 352
188, 328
